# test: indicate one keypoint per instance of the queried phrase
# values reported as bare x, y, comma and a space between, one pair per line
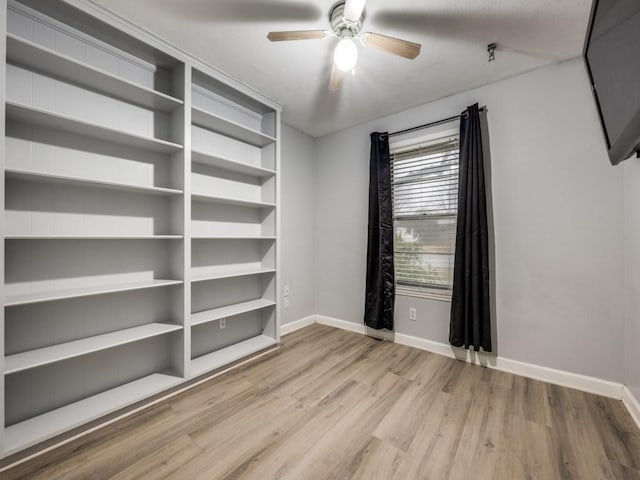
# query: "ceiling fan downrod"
342, 27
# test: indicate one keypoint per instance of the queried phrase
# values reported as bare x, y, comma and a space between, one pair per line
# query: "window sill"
441, 296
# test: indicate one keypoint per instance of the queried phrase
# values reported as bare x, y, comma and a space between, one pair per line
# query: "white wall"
632, 264
558, 223
297, 237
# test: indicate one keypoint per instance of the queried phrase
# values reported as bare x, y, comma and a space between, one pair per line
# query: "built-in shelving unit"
234, 246
141, 193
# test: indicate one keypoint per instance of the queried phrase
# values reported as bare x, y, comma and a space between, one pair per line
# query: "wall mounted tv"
612, 53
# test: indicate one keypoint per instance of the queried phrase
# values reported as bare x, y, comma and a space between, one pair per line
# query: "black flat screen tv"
612, 54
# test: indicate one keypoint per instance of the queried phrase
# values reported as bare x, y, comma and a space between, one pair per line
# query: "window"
425, 203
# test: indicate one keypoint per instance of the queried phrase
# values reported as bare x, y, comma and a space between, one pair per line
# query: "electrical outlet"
223, 323
287, 290
286, 301
412, 314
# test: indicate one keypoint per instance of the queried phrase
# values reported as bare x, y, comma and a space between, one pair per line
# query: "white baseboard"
577, 381
551, 375
291, 327
632, 404
558, 377
423, 344
537, 372
342, 324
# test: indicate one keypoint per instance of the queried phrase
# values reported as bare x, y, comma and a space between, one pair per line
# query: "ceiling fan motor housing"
341, 26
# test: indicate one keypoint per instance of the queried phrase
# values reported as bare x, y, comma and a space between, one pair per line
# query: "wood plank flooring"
331, 404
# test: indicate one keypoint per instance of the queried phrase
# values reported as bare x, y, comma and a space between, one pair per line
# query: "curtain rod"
432, 124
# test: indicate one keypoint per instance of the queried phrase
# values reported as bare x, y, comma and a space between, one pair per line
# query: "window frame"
434, 133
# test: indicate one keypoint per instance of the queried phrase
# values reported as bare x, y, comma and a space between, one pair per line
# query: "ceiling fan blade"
297, 35
353, 10
392, 45
335, 81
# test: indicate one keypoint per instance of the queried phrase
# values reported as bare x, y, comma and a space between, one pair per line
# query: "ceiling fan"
346, 19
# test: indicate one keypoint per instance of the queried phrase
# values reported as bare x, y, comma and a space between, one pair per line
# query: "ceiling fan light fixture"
345, 18
345, 55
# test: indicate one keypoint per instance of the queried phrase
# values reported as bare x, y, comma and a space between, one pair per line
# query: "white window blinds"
425, 203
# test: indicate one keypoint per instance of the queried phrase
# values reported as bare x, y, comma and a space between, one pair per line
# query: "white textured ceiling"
231, 35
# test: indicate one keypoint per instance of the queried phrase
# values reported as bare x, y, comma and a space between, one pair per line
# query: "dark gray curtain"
380, 293
470, 313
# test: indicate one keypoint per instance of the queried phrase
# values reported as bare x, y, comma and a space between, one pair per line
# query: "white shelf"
239, 273
56, 121
232, 237
231, 165
93, 237
233, 353
38, 58
46, 296
229, 128
63, 351
50, 424
204, 197
53, 178
230, 310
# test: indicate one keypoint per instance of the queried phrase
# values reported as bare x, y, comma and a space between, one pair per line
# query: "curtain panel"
470, 309
380, 282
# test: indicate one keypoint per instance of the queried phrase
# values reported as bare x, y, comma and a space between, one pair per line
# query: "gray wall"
558, 223
297, 212
632, 264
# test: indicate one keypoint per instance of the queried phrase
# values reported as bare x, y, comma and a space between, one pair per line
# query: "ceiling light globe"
345, 55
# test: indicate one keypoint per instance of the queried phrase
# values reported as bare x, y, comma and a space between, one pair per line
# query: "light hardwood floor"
336, 405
